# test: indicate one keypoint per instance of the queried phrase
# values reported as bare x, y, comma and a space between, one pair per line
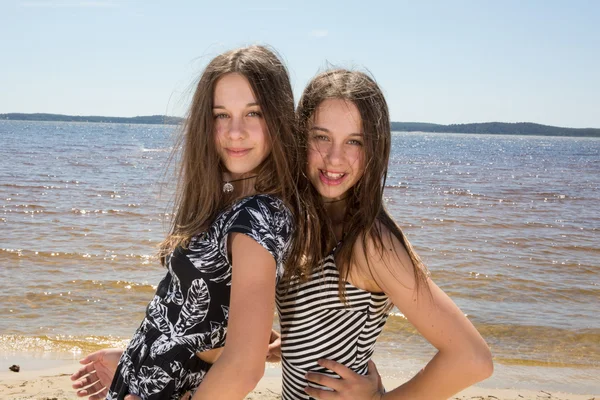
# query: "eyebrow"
247, 105
318, 128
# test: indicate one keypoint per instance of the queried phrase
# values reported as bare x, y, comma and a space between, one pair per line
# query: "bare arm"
463, 357
242, 363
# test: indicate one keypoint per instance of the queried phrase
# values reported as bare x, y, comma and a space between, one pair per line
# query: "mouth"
331, 178
236, 152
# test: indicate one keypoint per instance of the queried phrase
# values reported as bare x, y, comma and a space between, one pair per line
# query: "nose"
335, 154
236, 129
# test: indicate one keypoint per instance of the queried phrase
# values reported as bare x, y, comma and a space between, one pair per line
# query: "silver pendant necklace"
228, 187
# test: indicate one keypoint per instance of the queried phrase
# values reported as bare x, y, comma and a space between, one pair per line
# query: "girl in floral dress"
236, 216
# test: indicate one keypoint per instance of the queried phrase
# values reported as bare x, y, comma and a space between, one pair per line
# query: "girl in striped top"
332, 315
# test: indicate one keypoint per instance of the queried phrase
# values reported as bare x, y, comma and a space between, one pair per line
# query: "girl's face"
335, 154
240, 129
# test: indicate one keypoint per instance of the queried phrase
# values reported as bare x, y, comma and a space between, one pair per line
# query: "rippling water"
508, 225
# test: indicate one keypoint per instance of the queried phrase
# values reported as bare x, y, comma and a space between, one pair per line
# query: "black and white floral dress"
189, 311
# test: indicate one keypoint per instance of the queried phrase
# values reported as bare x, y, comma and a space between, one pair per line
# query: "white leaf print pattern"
143, 352
196, 341
217, 334
176, 366
207, 258
174, 294
157, 313
161, 345
195, 307
164, 343
269, 230
128, 372
261, 221
152, 380
192, 379
137, 339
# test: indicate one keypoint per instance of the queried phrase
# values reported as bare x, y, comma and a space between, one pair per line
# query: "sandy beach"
55, 384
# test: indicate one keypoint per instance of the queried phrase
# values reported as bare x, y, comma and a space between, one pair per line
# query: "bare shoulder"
384, 260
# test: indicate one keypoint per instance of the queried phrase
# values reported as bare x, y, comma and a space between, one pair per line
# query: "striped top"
316, 324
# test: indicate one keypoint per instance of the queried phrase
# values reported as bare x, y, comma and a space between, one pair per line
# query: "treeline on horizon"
148, 119
495, 128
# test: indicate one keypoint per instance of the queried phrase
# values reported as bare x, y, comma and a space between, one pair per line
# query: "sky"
437, 61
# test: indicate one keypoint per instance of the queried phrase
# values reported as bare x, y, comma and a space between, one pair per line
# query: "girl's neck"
336, 210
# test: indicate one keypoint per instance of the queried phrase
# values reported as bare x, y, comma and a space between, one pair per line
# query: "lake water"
508, 225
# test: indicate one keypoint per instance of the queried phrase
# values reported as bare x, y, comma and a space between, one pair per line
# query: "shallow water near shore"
508, 225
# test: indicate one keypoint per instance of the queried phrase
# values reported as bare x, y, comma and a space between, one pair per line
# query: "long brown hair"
365, 209
198, 196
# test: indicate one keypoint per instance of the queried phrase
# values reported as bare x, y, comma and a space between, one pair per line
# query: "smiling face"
240, 130
335, 154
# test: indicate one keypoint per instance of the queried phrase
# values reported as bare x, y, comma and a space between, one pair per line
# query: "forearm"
229, 378
444, 376
242, 363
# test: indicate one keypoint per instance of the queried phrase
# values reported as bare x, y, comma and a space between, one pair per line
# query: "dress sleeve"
268, 221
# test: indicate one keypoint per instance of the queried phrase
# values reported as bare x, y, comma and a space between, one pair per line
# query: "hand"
95, 377
274, 350
350, 386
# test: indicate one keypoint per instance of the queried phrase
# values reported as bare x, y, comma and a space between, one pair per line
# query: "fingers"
343, 371
91, 357
324, 380
100, 395
85, 381
132, 397
275, 344
96, 388
274, 335
83, 371
320, 394
372, 368
274, 350
95, 392
373, 374
90, 386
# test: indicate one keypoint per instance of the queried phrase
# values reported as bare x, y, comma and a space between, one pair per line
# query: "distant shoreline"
494, 128
148, 119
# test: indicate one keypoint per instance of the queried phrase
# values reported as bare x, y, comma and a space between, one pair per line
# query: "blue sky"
437, 61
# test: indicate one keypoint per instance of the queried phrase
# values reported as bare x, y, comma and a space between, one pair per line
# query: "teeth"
332, 176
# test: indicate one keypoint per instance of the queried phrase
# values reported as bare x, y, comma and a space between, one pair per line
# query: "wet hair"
199, 197
365, 209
